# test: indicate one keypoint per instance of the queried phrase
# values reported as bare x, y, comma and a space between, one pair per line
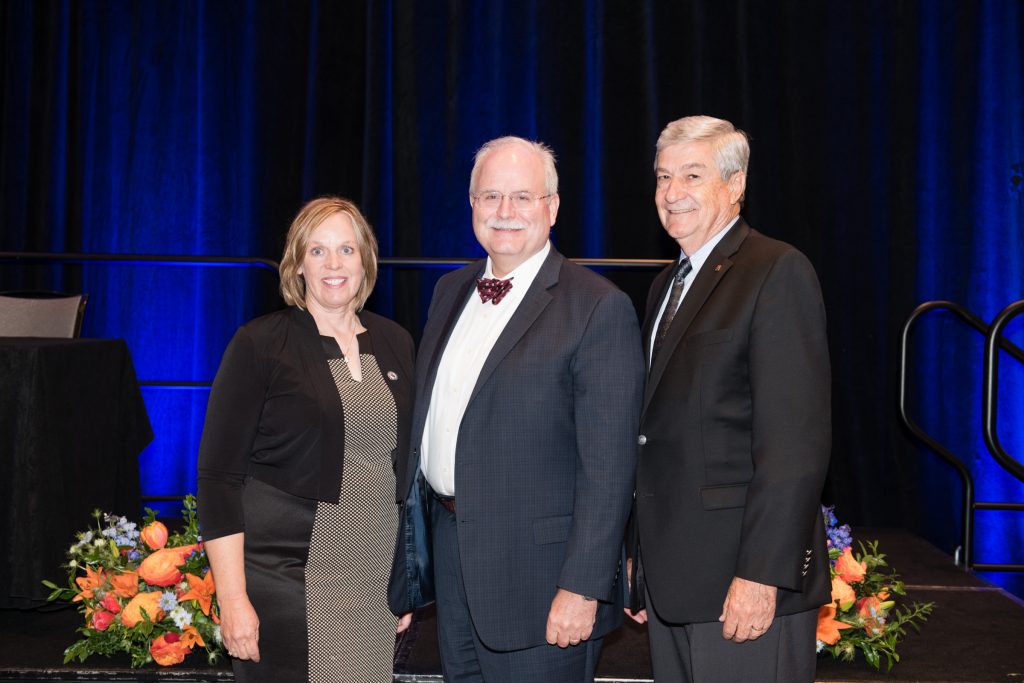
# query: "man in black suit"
529, 378
735, 431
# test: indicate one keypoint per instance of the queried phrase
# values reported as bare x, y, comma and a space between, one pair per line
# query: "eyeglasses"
521, 201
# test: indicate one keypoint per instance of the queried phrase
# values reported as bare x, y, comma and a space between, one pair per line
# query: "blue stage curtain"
886, 145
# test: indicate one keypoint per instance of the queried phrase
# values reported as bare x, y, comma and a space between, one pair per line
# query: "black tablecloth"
72, 424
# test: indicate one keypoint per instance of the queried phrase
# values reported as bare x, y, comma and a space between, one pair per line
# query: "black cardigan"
275, 413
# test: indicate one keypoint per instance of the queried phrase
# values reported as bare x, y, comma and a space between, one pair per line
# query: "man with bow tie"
529, 377
734, 435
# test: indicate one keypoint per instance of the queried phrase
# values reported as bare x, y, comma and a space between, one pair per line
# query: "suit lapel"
660, 285
533, 304
711, 273
433, 343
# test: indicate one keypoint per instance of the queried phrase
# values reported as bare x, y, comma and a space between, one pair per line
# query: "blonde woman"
307, 415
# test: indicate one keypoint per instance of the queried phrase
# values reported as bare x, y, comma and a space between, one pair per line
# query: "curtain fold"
886, 143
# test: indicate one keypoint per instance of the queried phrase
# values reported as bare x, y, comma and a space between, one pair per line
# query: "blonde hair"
309, 218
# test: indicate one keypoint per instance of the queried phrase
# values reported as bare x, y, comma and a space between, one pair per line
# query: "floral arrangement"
862, 615
147, 593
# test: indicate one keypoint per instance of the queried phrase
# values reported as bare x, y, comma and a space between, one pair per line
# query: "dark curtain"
886, 136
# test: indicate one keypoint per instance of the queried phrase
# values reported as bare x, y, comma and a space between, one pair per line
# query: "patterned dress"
318, 572
351, 629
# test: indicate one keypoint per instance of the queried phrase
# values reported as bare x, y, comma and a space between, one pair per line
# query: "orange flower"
89, 582
200, 590
842, 593
849, 569
829, 626
190, 636
186, 550
154, 535
125, 584
161, 568
873, 612
169, 649
150, 602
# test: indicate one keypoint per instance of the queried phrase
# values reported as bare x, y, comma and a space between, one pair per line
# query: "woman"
307, 416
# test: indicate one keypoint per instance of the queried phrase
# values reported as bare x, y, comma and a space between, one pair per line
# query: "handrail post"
991, 387
966, 480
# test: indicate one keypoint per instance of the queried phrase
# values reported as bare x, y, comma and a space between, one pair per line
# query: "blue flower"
168, 601
134, 555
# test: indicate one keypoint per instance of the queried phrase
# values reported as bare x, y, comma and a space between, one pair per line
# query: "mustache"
504, 224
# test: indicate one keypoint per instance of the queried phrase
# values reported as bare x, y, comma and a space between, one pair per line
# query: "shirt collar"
525, 271
698, 257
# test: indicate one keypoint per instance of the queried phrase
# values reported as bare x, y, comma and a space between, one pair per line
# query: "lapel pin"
392, 375
718, 268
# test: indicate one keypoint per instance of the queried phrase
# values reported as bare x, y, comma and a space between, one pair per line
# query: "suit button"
641, 440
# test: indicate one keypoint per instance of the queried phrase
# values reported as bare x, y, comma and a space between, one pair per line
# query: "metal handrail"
991, 388
966, 481
129, 259
268, 264
968, 503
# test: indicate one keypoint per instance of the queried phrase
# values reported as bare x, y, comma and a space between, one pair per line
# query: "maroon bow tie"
492, 289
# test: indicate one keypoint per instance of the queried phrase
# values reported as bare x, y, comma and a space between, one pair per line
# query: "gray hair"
547, 157
731, 148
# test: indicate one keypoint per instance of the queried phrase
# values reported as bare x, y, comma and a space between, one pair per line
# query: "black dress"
317, 572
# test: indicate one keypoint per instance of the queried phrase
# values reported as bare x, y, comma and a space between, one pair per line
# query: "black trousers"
697, 653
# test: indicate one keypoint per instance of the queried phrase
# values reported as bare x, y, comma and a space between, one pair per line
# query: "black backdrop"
886, 135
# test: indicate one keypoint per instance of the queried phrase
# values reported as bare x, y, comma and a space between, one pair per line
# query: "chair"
41, 314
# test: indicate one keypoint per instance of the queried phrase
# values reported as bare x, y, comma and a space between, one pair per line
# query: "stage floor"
975, 634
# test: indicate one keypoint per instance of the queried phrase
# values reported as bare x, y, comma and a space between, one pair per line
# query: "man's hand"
748, 611
641, 616
571, 619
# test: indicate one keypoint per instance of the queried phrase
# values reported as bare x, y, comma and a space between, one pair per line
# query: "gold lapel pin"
718, 267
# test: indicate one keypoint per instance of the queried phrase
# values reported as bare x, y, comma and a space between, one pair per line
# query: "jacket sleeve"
232, 420
607, 374
790, 389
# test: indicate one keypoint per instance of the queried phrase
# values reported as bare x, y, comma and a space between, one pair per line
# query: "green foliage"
874, 624
100, 581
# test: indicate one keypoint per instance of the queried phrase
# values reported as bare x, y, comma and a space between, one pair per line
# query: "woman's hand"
239, 625
404, 622
240, 628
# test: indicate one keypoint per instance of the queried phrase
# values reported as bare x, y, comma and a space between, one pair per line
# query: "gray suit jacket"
546, 449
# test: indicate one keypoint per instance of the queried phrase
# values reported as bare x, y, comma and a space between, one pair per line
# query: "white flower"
181, 617
216, 635
99, 543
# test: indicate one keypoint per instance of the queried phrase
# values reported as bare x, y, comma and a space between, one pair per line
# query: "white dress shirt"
478, 328
697, 260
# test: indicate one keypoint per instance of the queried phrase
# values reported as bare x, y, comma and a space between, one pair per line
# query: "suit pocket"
708, 338
723, 497
551, 529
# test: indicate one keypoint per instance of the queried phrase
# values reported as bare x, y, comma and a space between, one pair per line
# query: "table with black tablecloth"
72, 425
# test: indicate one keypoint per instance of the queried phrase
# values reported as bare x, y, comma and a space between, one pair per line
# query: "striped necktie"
683, 268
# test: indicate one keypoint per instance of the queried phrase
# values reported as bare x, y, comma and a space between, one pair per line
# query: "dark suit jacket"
275, 413
546, 449
735, 434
